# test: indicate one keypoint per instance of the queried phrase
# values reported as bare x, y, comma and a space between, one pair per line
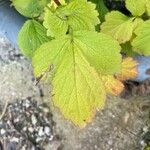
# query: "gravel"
119, 126
26, 125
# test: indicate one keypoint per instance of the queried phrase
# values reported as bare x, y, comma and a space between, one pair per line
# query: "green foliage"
136, 7
119, 26
81, 63
30, 8
101, 8
130, 29
77, 101
31, 36
75, 14
142, 41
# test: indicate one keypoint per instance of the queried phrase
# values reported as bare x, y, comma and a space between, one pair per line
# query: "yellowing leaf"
75, 15
77, 88
119, 26
136, 7
129, 69
141, 43
112, 85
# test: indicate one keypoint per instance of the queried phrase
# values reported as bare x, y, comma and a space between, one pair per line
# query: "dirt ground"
120, 126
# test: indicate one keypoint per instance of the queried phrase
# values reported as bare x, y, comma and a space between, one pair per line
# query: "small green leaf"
136, 7
78, 14
141, 43
30, 8
148, 7
77, 88
31, 36
102, 9
119, 26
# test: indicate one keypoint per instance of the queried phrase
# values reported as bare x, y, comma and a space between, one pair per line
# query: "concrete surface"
118, 127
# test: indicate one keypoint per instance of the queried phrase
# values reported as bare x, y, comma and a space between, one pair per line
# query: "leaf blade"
141, 42
31, 36
99, 49
136, 7
119, 26
78, 102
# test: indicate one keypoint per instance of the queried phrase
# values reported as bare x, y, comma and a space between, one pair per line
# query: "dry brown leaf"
128, 70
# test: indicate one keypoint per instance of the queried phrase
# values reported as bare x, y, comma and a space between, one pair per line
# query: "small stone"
110, 142
142, 142
47, 130
46, 110
38, 140
145, 129
25, 129
51, 138
30, 129
14, 139
16, 120
2, 131
27, 105
34, 120
41, 133
23, 148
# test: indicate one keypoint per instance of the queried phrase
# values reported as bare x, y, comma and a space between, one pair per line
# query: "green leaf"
119, 26
31, 36
148, 7
75, 15
127, 49
136, 7
77, 88
29, 8
99, 49
102, 9
142, 42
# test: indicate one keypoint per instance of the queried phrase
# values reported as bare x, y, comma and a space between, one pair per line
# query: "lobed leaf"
74, 15
31, 36
119, 26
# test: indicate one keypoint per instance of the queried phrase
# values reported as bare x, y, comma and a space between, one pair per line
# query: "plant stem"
57, 2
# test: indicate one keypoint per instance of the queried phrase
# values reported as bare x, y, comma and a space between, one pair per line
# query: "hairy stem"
57, 2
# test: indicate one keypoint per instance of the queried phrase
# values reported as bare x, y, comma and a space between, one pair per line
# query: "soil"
122, 125
133, 88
